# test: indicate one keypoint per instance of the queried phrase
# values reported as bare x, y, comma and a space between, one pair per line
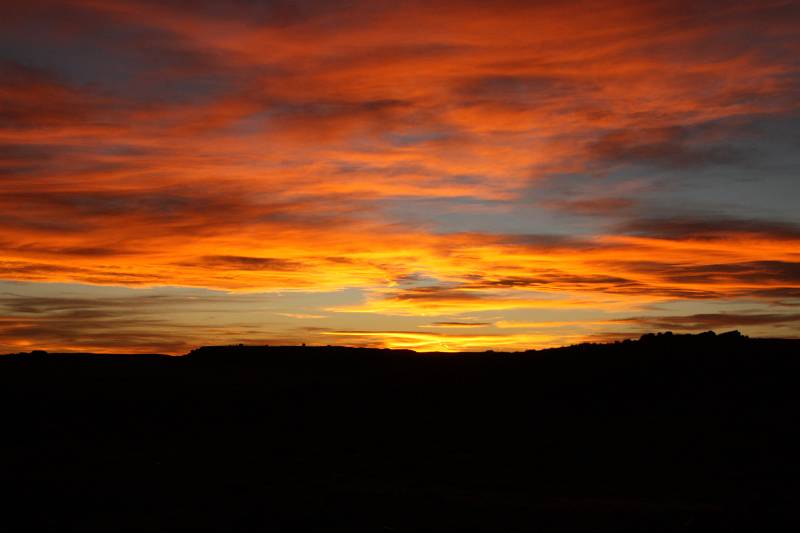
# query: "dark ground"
680, 433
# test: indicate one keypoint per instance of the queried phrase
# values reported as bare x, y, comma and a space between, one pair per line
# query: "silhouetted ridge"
667, 433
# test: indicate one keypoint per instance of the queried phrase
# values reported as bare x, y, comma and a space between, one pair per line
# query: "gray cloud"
699, 227
233, 262
713, 320
671, 147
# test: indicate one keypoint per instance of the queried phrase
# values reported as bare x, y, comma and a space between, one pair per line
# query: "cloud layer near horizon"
628, 163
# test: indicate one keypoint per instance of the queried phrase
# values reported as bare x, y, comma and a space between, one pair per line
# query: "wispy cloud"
715, 320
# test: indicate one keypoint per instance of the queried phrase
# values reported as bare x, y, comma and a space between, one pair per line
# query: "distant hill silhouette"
665, 433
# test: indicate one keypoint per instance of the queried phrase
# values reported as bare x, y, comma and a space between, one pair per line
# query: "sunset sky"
435, 175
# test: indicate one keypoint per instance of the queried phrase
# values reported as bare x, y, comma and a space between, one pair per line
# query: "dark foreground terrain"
669, 433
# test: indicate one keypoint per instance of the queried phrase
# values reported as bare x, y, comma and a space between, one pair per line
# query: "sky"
435, 175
